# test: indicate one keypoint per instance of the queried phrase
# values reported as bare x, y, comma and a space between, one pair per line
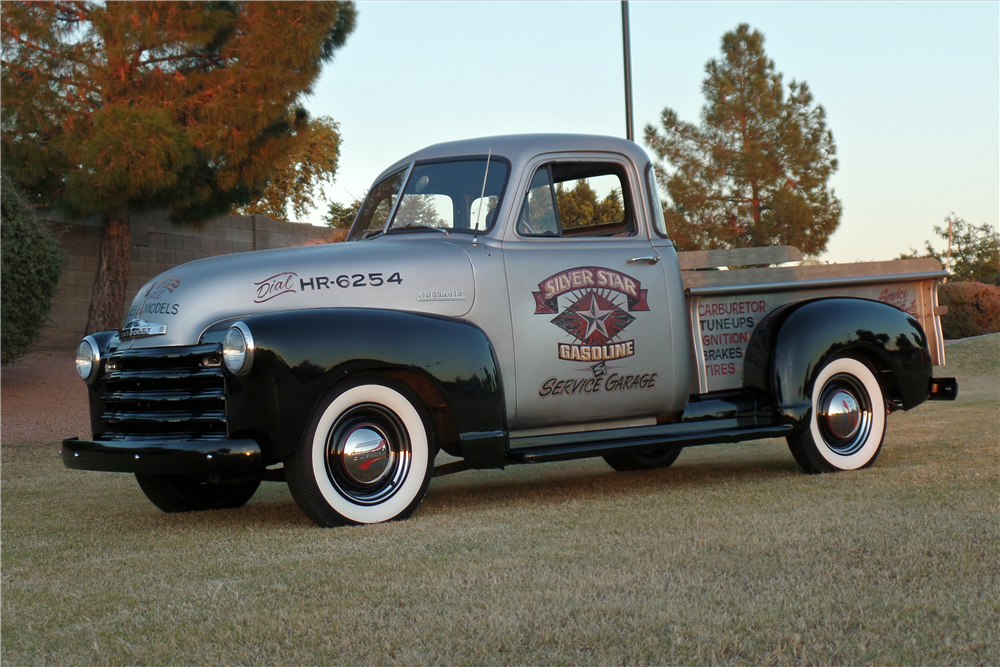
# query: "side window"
577, 199
538, 215
590, 202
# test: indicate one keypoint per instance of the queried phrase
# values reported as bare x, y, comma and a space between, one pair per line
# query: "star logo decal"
593, 319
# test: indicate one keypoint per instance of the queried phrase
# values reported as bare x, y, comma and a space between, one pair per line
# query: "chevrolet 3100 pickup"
506, 300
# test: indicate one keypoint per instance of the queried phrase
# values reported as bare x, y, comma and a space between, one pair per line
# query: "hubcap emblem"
365, 455
843, 414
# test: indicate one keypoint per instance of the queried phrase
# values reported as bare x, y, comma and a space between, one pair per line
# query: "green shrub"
973, 309
30, 267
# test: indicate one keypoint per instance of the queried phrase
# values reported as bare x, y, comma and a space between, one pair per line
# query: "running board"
564, 447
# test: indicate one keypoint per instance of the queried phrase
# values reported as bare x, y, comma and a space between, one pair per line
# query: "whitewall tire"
367, 457
847, 421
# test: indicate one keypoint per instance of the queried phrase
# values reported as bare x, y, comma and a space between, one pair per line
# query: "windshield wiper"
371, 233
420, 225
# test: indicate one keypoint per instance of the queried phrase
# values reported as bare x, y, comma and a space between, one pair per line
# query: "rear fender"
794, 343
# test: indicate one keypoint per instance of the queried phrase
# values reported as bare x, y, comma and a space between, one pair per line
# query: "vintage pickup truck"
506, 300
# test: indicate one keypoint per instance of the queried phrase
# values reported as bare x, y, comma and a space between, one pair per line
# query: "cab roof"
519, 148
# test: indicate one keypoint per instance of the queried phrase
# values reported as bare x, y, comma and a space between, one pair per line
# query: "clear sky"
911, 91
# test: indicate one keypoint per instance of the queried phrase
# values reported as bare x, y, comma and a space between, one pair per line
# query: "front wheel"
366, 458
191, 493
644, 459
847, 422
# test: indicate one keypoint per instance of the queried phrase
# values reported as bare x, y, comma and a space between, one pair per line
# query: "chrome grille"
164, 393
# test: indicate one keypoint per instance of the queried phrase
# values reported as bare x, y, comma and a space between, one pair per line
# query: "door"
589, 307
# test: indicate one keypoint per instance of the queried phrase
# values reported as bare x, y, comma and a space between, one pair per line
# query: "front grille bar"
164, 393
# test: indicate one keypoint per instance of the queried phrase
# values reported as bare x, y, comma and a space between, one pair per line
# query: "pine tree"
580, 207
119, 106
755, 171
312, 162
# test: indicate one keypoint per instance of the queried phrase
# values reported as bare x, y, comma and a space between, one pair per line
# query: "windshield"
378, 204
443, 196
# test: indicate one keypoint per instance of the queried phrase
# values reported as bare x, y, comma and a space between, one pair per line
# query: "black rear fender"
795, 342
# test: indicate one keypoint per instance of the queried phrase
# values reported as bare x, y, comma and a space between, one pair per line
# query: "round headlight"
88, 359
237, 349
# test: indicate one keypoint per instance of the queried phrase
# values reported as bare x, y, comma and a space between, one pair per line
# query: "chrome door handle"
648, 260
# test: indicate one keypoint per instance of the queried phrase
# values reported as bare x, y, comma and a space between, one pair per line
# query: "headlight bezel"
91, 356
230, 355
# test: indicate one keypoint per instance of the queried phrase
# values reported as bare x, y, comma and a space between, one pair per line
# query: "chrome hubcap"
366, 456
842, 414
845, 415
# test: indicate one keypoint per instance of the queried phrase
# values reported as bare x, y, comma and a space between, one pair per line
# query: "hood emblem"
140, 328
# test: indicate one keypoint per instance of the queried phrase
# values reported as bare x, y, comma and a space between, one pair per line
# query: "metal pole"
629, 134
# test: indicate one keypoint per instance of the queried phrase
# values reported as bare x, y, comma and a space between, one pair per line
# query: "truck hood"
413, 274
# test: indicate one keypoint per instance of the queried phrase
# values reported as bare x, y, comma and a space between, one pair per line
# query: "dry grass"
730, 557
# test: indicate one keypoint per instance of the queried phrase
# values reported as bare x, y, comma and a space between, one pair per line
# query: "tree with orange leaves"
119, 106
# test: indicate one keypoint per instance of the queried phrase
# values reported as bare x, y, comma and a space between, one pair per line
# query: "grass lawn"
730, 557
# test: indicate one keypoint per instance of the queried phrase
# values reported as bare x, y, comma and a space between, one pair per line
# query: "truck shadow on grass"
593, 481
527, 488
551, 486
115, 503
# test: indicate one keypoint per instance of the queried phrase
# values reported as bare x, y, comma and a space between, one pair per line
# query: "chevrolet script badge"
140, 328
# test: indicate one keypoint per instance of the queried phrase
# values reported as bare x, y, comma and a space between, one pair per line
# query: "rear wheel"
847, 422
191, 493
644, 459
367, 456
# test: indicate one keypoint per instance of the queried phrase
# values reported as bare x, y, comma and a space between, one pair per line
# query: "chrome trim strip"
699, 347
713, 290
936, 323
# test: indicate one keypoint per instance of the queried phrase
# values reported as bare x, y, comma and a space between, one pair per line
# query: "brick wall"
157, 246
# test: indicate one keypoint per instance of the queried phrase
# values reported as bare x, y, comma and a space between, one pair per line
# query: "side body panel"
676, 331
301, 355
490, 310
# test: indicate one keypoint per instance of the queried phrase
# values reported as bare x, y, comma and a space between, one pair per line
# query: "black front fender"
301, 355
800, 339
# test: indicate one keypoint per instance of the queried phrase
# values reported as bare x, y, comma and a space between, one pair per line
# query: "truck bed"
726, 304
